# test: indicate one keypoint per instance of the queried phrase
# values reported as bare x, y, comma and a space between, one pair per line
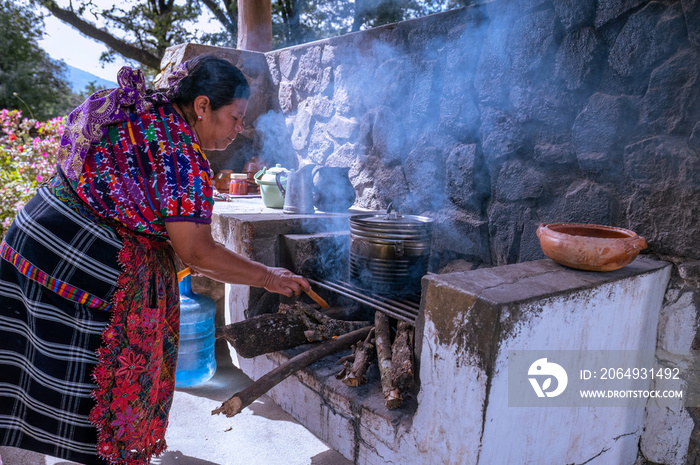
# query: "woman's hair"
214, 77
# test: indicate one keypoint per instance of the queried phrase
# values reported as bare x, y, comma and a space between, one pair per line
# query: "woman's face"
217, 129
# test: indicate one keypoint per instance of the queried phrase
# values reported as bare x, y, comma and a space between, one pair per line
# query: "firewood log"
292, 326
321, 327
355, 373
382, 329
265, 333
402, 371
247, 396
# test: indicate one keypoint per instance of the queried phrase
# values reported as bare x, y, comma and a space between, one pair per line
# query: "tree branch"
230, 25
123, 48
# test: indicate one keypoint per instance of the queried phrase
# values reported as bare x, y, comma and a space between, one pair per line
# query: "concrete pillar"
255, 25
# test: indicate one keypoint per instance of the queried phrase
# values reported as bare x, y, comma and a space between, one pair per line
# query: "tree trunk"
228, 16
255, 25
123, 48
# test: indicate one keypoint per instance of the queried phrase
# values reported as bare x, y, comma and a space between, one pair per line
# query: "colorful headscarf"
87, 124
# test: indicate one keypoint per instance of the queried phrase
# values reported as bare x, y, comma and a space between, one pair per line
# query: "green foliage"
28, 151
374, 13
153, 26
29, 79
301, 21
142, 30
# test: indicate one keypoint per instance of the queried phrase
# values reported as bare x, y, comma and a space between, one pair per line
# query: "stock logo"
546, 371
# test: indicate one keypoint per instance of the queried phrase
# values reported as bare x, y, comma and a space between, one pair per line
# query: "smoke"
274, 140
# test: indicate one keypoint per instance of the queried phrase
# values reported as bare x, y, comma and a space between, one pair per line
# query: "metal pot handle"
279, 184
389, 209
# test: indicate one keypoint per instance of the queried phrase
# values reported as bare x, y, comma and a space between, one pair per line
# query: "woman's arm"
197, 249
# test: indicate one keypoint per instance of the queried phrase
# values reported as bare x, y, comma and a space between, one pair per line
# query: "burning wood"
247, 396
317, 298
321, 327
300, 323
264, 333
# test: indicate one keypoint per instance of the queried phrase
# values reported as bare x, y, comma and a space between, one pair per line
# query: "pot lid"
392, 218
269, 174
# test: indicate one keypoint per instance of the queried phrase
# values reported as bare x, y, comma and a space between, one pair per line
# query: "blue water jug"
196, 362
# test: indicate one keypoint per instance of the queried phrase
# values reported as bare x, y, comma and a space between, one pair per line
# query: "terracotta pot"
589, 247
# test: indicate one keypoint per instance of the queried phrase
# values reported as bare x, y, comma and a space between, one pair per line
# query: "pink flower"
110, 334
96, 414
124, 421
154, 433
133, 321
165, 390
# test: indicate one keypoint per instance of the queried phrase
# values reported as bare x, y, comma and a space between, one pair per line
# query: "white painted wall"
622, 315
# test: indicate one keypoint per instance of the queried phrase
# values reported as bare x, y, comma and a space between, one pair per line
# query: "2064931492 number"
639, 373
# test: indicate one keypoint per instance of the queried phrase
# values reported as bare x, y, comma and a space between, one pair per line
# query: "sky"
63, 42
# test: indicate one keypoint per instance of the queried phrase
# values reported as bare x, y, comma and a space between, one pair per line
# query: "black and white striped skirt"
58, 270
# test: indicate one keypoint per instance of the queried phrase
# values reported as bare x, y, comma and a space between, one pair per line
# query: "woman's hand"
283, 281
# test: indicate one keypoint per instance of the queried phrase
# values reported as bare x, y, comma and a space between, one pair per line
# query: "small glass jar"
239, 184
222, 180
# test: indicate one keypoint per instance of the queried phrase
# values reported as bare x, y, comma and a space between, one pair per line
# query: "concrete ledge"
350, 420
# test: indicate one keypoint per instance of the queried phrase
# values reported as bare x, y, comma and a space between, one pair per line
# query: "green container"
267, 180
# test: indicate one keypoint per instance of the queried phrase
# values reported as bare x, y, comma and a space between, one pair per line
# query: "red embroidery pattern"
135, 373
147, 171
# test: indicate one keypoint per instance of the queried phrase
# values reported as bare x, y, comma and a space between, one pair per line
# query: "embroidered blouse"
147, 171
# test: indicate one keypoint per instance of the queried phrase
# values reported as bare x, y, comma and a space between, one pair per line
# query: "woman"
89, 309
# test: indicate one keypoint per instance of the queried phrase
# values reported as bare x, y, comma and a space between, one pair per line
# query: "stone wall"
496, 118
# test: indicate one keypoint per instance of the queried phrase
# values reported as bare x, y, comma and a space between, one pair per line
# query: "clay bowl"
589, 247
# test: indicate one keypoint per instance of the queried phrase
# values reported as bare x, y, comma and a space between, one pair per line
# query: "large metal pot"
389, 253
